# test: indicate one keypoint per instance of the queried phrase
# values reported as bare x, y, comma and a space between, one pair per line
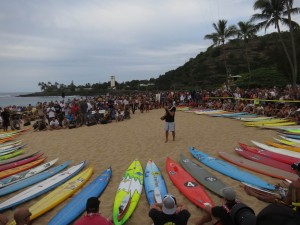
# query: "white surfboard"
41, 187
277, 150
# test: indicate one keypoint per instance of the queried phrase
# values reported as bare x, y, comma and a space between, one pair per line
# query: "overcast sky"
88, 41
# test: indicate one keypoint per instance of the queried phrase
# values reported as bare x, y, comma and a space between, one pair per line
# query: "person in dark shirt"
222, 213
170, 120
5, 117
169, 212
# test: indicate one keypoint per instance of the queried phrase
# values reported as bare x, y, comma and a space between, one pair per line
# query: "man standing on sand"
170, 119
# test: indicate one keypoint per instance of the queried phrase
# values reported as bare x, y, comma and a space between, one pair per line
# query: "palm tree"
222, 34
273, 13
246, 32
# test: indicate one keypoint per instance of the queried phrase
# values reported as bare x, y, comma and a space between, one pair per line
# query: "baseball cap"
169, 204
228, 193
92, 204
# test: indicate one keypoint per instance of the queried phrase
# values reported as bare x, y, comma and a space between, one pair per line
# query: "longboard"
264, 160
277, 150
229, 170
258, 167
25, 174
78, 203
187, 185
290, 148
20, 162
59, 194
154, 183
13, 154
128, 193
41, 187
273, 155
204, 177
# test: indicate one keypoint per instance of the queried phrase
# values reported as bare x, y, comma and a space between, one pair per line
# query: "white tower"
112, 82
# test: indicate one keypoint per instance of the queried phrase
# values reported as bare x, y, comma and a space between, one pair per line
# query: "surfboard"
297, 141
9, 172
26, 174
294, 136
269, 125
256, 119
77, 205
207, 179
187, 185
229, 169
20, 162
41, 187
271, 121
261, 192
59, 194
273, 155
230, 114
17, 158
10, 147
12, 143
277, 150
290, 148
258, 167
154, 183
10, 150
128, 193
264, 160
286, 142
13, 154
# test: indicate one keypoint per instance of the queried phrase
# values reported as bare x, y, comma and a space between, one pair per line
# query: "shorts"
169, 126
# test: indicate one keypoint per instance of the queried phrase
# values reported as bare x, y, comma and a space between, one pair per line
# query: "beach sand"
142, 137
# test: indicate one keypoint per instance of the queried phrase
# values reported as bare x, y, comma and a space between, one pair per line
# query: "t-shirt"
159, 218
93, 219
170, 118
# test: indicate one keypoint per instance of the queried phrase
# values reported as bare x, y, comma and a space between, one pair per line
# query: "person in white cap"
169, 212
222, 213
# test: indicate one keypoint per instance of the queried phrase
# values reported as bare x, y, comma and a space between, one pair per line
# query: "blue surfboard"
41, 187
229, 170
34, 179
295, 136
78, 204
154, 183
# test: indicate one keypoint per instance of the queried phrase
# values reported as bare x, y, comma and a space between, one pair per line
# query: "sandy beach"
142, 137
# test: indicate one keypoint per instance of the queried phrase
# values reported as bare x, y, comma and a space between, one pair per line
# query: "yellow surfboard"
59, 194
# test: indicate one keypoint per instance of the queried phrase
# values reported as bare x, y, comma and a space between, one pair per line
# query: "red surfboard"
264, 160
276, 156
187, 185
258, 167
20, 163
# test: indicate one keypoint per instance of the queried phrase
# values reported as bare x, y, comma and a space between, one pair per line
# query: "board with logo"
187, 185
204, 177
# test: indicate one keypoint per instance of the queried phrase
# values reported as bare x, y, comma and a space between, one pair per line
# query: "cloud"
88, 41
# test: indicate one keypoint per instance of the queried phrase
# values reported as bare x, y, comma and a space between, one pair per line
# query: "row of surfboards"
272, 159
189, 181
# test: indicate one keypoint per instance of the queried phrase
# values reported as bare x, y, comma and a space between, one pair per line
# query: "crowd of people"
276, 102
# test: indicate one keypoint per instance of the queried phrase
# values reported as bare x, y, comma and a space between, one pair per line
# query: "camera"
296, 166
241, 214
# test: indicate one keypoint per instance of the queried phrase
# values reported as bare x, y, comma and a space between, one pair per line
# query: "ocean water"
7, 99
